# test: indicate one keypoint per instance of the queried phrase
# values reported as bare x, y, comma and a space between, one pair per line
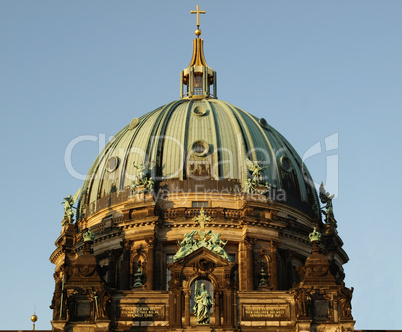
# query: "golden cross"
198, 12
202, 218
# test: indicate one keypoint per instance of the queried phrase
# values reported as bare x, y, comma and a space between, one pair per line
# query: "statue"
203, 304
255, 177
215, 244
328, 211
303, 301
255, 169
56, 301
142, 178
345, 301
68, 207
188, 245
150, 184
105, 301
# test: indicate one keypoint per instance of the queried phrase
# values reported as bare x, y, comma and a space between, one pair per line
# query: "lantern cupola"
198, 80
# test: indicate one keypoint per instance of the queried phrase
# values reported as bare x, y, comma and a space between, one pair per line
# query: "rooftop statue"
142, 178
328, 211
255, 177
68, 207
189, 244
203, 304
215, 244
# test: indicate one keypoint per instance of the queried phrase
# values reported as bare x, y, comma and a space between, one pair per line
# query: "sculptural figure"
142, 178
255, 177
303, 300
203, 304
328, 211
105, 301
56, 301
345, 301
215, 244
188, 245
68, 207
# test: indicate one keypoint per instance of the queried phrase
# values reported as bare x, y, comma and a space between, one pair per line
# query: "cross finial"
198, 12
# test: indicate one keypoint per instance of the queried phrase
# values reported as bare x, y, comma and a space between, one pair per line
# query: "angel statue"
188, 245
255, 171
215, 244
141, 174
68, 207
328, 211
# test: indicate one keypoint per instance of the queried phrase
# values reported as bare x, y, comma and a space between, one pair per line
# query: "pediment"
203, 253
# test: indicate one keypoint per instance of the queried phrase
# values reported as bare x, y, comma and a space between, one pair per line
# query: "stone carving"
59, 301
303, 302
328, 211
201, 219
255, 180
189, 244
143, 182
68, 207
105, 300
215, 244
203, 266
203, 304
345, 301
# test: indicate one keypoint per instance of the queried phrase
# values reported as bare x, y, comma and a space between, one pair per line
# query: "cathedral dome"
197, 190
201, 145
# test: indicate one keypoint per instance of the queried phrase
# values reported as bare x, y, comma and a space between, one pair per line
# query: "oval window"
200, 148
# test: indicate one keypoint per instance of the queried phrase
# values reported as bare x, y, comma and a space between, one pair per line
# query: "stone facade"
95, 280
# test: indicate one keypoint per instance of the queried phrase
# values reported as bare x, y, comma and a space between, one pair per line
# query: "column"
249, 243
289, 269
217, 307
274, 264
175, 300
150, 262
111, 273
187, 296
125, 269
228, 310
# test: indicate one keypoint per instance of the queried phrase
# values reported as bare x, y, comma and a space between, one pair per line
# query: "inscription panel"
254, 312
143, 312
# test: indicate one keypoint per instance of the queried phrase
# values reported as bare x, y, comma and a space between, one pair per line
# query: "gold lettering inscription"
251, 312
145, 312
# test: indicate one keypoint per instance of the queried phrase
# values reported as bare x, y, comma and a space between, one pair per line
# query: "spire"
198, 80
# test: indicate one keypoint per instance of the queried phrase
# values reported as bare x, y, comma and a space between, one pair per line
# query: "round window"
200, 148
286, 163
112, 164
199, 111
264, 123
133, 124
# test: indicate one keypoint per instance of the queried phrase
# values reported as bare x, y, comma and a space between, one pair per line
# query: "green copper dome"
198, 145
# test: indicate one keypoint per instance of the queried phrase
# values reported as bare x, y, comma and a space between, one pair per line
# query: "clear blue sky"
310, 68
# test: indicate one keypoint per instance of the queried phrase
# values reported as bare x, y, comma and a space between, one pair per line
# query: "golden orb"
198, 32
34, 318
